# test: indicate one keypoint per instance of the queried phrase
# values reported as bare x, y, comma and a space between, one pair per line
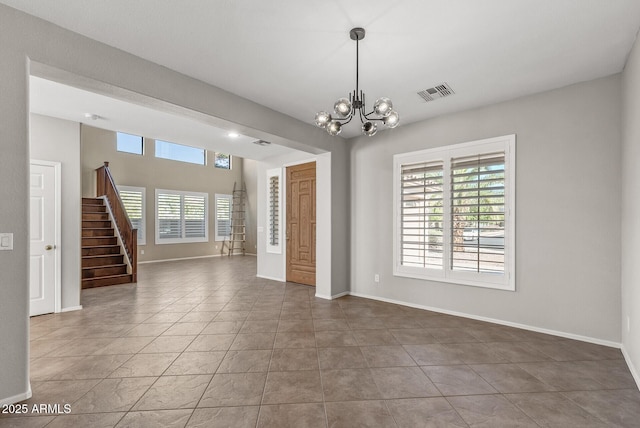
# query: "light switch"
6, 241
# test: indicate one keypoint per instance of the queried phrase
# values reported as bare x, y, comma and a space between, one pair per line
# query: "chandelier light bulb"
369, 129
334, 128
392, 120
322, 119
342, 107
383, 107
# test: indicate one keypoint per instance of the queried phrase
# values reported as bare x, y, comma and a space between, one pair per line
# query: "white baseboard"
337, 296
632, 368
16, 398
272, 278
496, 321
331, 297
71, 308
191, 258
180, 258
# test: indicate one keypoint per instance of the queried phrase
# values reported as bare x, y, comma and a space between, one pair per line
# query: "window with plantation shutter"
421, 240
133, 199
181, 217
223, 217
455, 213
478, 213
195, 219
274, 211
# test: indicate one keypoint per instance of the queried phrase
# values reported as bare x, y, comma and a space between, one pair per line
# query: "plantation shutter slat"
478, 213
421, 215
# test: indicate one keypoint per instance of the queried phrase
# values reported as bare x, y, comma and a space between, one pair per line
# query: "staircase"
103, 261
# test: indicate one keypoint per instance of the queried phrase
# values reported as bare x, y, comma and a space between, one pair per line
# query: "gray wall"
631, 211
250, 178
58, 140
567, 210
99, 145
30, 45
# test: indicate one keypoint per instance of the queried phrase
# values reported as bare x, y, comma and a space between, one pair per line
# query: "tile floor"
207, 344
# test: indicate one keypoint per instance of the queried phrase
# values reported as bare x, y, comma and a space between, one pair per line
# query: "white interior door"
44, 278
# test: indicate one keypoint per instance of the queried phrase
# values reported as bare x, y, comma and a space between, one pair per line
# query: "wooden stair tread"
125, 278
105, 266
119, 275
98, 256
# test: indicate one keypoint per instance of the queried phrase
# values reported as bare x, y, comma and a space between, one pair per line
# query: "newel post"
101, 183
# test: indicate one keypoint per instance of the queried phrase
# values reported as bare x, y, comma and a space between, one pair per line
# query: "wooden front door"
301, 223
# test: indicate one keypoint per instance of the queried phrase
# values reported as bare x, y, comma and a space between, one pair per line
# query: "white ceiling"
65, 102
296, 56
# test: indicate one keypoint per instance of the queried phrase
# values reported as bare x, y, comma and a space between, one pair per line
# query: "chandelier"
346, 108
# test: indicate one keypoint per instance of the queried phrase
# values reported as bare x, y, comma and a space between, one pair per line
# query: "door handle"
49, 247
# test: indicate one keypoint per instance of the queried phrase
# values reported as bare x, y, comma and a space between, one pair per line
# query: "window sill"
503, 285
181, 241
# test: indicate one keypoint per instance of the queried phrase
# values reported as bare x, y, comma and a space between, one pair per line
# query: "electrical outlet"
6, 241
216, 247
376, 278
141, 251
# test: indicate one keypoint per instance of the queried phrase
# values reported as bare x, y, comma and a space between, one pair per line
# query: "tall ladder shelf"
237, 237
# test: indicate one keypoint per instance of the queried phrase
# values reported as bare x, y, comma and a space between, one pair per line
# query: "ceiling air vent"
439, 91
261, 142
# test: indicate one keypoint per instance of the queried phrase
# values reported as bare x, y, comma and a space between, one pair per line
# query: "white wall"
33, 46
631, 212
567, 211
272, 265
58, 140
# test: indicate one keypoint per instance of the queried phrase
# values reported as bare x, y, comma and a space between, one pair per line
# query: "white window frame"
275, 249
445, 154
230, 199
142, 235
182, 239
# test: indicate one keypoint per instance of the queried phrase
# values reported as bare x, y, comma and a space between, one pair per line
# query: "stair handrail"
105, 186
